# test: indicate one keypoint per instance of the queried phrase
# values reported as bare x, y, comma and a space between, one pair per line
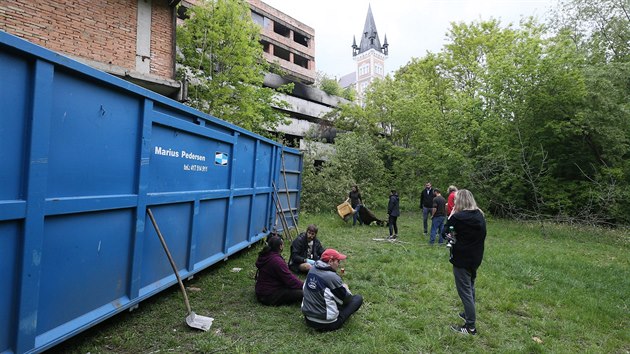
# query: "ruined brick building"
135, 40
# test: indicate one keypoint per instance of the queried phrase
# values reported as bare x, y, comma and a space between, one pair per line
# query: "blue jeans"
437, 225
356, 216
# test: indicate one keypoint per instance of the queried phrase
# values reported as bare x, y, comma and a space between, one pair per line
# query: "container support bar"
35, 194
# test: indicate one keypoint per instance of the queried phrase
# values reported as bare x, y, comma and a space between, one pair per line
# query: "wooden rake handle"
170, 259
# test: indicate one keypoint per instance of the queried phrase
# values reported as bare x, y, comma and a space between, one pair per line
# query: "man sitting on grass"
305, 250
328, 302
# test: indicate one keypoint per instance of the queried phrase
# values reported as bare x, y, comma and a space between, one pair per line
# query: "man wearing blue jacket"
328, 302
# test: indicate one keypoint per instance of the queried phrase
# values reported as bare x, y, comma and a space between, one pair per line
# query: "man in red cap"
328, 302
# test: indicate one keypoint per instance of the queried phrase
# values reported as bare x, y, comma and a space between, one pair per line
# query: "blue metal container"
82, 155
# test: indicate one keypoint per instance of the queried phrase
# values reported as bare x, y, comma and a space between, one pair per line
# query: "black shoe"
465, 330
462, 315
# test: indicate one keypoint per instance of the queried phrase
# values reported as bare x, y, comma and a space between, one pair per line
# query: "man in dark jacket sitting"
305, 250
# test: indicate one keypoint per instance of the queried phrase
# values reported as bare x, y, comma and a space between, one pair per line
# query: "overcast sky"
413, 27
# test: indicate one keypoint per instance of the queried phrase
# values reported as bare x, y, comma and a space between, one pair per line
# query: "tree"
331, 86
356, 160
220, 55
600, 28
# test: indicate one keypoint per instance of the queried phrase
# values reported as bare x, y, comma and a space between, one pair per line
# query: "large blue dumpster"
83, 154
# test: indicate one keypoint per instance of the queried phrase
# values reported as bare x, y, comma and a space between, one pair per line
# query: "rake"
193, 320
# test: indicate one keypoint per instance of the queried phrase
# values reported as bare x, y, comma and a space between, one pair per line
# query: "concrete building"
286, 42
132, 39
369, 56
290, 44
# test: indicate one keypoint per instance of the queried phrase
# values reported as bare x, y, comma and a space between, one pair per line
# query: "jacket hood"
265, 258
323, 265
471, 217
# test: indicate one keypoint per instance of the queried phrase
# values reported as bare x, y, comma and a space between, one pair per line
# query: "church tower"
369, 55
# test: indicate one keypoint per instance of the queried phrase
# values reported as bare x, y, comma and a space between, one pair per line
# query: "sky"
413, 27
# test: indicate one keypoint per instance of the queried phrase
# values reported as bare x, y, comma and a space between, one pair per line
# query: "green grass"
568, 287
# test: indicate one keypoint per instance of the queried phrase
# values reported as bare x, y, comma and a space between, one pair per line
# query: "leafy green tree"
600, 28
331, 86
536, 126
220, 55
355, 160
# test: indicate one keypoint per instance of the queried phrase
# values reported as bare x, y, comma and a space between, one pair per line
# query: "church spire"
369, 37
385, 46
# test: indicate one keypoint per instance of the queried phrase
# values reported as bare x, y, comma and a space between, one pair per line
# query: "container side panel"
292, 181
259, 214
244, 169
9, 238
212, 217
85, 264
93, 149
194, 119
14, 85
82, 154
240, 219
264, 157
174, 221
292, 161
181, 161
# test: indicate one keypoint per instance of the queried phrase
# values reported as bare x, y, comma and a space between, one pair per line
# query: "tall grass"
562, 291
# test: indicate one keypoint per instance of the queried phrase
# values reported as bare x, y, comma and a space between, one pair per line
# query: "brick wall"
99, 30
162, 39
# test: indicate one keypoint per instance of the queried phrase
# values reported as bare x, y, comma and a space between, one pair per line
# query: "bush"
356, 160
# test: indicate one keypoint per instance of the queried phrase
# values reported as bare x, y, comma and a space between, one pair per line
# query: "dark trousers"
281, 297
393, 227
465, 283
425, 215
344, 314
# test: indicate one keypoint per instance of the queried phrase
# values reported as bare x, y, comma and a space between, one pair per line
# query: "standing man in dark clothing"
305, 250
355, 202
426, 204
469, 226
393, 211
438, 214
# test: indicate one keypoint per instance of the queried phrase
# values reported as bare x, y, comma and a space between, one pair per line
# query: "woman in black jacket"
469, 229
393, 211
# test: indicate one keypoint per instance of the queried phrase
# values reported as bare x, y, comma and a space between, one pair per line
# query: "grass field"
565, 290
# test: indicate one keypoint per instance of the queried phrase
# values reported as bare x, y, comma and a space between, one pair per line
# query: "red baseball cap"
332, 254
